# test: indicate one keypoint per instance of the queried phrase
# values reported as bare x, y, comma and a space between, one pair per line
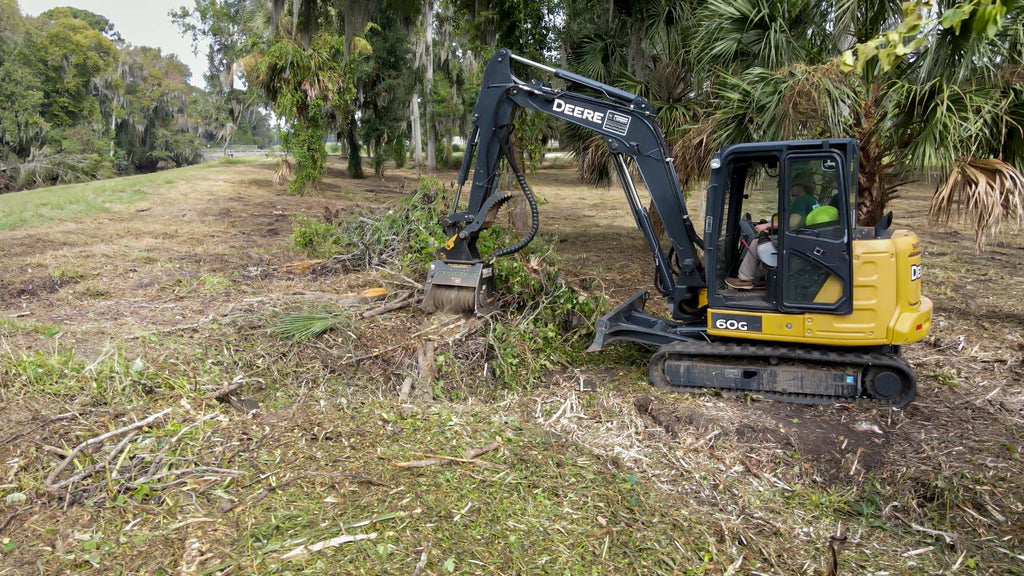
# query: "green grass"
60, 203
15, 325
68, 202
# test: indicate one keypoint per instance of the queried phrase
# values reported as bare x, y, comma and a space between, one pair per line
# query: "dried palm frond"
692, 149
989, 191
283, 172
593, 159
44, 166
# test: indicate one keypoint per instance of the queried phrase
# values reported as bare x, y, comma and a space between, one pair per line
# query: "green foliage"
316, 238
67, 54
113, 380
546, 321
386, 86
145, 103
543, 320
399, 152
74, 106
889, 48
300, 83
408, 235
306, 141
985, 19
95, 21
220, 23
308, 325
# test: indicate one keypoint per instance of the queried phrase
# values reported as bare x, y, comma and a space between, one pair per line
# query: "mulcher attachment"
459, 288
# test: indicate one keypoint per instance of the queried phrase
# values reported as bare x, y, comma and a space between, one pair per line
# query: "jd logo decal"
915, 272
577, 111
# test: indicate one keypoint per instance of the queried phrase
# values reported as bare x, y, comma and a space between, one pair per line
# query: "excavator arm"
627, 124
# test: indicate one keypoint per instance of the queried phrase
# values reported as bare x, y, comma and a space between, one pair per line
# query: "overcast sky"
140, 22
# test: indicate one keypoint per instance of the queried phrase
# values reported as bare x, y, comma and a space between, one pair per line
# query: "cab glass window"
815, 198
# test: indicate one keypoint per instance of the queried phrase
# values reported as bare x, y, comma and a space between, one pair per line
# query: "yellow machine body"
888, 308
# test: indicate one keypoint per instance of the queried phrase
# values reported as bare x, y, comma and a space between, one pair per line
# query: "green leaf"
953, 17
8, 547
847, 62
15, 498
449, 565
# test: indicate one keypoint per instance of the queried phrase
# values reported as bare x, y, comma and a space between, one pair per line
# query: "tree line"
926, 85
77, 103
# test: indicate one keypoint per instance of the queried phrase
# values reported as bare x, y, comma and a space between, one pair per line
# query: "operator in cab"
750, 275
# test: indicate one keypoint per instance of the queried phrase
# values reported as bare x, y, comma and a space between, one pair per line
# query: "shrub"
316, 238
400, 152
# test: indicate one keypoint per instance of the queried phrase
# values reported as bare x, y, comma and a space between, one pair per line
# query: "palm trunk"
417, 130
874, 172
874, 195
429, 81
355, 163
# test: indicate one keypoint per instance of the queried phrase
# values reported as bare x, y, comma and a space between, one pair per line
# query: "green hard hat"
822, 215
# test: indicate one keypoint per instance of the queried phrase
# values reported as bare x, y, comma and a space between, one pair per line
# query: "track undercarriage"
793, 374
688, 360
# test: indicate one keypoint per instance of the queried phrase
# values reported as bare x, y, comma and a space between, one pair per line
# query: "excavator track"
792, 374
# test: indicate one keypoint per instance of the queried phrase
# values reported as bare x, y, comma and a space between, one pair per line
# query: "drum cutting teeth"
450, 299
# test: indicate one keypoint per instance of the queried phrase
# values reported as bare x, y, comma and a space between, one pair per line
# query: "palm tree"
760, 70
300, 82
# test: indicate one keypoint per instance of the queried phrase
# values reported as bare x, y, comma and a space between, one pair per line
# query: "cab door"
816, 269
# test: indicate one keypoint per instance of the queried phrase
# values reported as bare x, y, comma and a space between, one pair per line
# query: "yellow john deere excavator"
836, 303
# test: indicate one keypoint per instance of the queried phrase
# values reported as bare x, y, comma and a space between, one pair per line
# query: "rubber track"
765, 352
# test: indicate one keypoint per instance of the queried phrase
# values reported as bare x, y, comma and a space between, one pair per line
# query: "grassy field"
61, 203
145, 309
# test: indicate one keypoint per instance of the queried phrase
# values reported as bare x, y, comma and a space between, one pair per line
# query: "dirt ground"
179, 286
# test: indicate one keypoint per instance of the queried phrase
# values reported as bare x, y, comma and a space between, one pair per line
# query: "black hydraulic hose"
528, 193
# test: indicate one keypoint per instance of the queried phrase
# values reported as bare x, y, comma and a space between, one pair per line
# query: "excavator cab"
803, 262
822, 280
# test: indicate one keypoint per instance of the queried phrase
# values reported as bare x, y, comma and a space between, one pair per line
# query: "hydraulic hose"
528, 193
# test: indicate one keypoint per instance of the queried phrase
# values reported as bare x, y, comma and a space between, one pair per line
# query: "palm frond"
799, 101
692, 148
299, 327
988, 191
593, 159
746, 33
